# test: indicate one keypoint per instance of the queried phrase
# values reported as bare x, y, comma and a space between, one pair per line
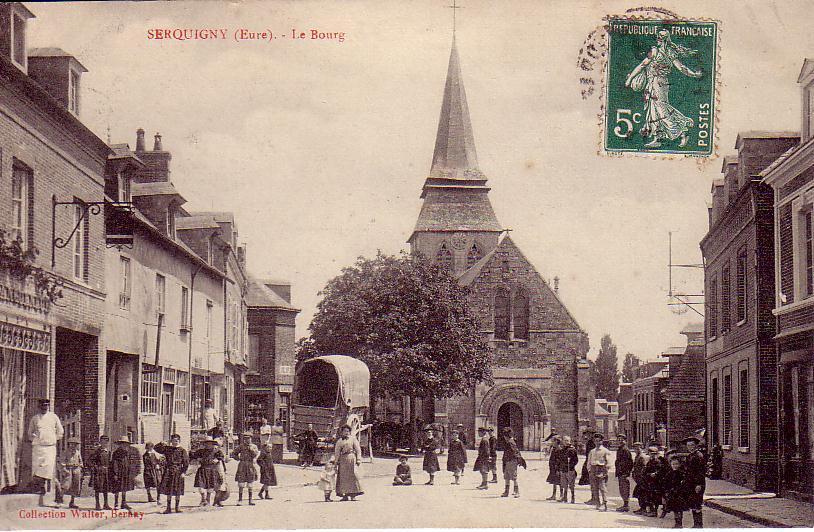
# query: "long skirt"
431, 464
172, 483
347, 479
268, 476
208, 477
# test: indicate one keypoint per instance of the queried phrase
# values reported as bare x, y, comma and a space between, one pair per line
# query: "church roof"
454, 155
456, 210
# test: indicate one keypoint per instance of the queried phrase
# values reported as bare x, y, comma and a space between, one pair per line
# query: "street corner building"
537, 348
127, 310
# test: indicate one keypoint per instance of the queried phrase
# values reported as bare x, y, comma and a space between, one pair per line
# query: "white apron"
45, 430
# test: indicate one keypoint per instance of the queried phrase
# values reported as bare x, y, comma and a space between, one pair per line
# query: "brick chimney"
59, 73
718, 202
14, 17
759, 149
157, 161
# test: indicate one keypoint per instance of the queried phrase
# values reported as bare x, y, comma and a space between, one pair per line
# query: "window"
18, 52
185, 308
810, 94
209, 250
444, 257
200, 387
253, 358
73, 92
740, 286
743, 399
160, 294
227, 404
726, 307
502, 314
124, 290
715, 412
727, 409
21, 204
171, 222
712, 307
181, 392
282, 414
150, 379
80, 243
473, 256
520, 316
124, 187
808, 253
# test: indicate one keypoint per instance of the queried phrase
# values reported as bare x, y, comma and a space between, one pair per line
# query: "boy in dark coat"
639, 461
568, 468
152, 472
268, 475
554, 461
456, 457
482, 462
696, 480
653, 480
177, 463
99, 464
675, 491
511, 459
492, 454
431, 465
403, 476
623, 467
585, 478
124, 466
207, 478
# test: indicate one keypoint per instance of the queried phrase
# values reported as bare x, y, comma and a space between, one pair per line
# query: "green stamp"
660, 86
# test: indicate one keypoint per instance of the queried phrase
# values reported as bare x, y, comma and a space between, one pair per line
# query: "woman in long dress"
662, 120
348, 456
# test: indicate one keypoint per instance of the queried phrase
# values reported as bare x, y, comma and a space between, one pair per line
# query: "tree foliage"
607, 370
630, 368
408, 320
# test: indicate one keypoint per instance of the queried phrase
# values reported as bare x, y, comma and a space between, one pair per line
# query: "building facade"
740, 289
791, 178
535, 343
271, 355
48, 348
649, 410
685, 395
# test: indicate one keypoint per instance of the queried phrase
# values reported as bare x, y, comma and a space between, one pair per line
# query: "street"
297, 503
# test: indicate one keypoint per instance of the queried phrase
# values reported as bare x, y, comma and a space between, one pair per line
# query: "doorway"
510, 415
166, 409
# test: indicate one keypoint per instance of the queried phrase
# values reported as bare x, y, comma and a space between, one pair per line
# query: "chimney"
556, 285
157, 143
13, 20
139, 140
718, 204
59, 73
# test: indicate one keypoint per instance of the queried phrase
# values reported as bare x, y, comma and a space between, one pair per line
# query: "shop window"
150, 384
181, 392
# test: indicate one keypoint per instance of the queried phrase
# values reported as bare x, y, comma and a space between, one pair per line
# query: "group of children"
164, 466
485, 463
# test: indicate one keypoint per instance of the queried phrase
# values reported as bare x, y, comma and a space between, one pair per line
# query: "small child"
456, 457
70, 473
152, 472
327, 480
268, 477
675, 498
403, 476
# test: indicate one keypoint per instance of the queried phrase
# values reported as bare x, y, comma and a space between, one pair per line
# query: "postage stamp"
660, 86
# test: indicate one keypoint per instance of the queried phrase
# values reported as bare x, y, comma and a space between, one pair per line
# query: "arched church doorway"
510, 415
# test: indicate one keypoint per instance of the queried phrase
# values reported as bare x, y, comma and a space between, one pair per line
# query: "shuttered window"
726, 303
741, 286
712, 307
743, 400
727, 409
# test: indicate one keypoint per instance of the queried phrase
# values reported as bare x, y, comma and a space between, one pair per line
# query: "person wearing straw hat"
124, 466
44, 430
70, 464
99, 463
246, 454
207, 477
177, 463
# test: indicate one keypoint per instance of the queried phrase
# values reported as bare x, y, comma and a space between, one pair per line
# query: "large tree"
630, 368
607, 370
408, 320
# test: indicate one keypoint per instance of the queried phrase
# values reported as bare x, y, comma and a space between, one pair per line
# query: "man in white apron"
45, 430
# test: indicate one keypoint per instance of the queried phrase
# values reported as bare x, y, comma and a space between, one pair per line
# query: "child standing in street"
70, 467
430, 448
152, 472
99, 463
456, 457
511, 459
327, 479
268, 476
403, 475
246, 475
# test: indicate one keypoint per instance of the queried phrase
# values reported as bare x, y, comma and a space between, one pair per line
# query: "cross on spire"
454, 6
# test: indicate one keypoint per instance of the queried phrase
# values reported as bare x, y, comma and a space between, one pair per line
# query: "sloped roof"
53, 51
157, 188
472, 273
599, 411
688, 381
259, 295
456, 209
196, 222
806, 69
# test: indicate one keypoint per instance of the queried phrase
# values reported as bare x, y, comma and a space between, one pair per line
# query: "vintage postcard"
392, 265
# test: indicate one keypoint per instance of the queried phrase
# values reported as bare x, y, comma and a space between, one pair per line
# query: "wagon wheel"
355, 423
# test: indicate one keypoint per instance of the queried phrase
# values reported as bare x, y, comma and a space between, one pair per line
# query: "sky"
321, 147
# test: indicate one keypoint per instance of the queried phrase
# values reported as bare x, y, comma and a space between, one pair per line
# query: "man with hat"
45, 430
176, 465
483, 460
492, 454
695, 468
124, 466
246, 454
624, 467
598, 462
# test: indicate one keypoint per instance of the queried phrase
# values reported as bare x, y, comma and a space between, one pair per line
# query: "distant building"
685, 395
625, 400
791, 178
648, 415
740, 288
606, 414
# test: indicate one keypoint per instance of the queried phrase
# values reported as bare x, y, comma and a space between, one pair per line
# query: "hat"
693, 439
428, 428
209, 440
621, 437
124, 439
403, 457
635, 443
483, 429
599, 434
653, 447
247, 433
74, 440
44, 401
104, 437
175, 435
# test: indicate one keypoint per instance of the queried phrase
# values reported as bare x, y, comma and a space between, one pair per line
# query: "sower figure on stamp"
45, 430
492, 454
482, 462
177, 463
246, 475
696, 480
662, 120
623, 467
99, 463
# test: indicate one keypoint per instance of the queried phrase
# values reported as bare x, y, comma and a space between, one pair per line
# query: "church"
537, 348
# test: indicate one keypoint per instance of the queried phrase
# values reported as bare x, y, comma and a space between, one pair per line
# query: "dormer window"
18, 52
171, 222
209, 250
73, 92
124, 188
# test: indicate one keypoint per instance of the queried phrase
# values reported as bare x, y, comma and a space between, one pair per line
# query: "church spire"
454, 156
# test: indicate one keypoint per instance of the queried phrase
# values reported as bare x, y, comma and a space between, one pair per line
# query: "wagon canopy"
353, 378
